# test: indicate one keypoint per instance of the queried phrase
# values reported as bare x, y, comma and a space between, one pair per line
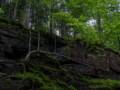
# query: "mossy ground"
105, 83
44, 82
101, 84
45, 72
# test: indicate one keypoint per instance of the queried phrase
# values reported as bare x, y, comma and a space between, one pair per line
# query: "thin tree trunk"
50, 24
99, 23
38, 47
118, 39
15, 10
51, 17
30, 39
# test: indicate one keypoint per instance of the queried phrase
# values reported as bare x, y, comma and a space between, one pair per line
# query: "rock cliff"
69, 68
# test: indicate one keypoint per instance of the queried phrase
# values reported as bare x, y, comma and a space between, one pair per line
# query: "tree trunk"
38, 47
99, 24
15, 10
30, 40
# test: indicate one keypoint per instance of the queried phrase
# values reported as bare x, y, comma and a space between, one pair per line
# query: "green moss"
45, 81
100, 84
104, 83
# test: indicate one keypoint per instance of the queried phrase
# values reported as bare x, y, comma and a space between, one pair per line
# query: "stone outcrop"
99, 61
70, 61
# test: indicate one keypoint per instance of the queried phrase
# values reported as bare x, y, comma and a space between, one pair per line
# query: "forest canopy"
93, 21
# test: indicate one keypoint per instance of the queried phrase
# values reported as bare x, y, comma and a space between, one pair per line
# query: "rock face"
66, 65
14, 41
99, 61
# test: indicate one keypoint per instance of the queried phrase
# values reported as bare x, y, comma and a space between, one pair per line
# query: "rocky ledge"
74, 66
